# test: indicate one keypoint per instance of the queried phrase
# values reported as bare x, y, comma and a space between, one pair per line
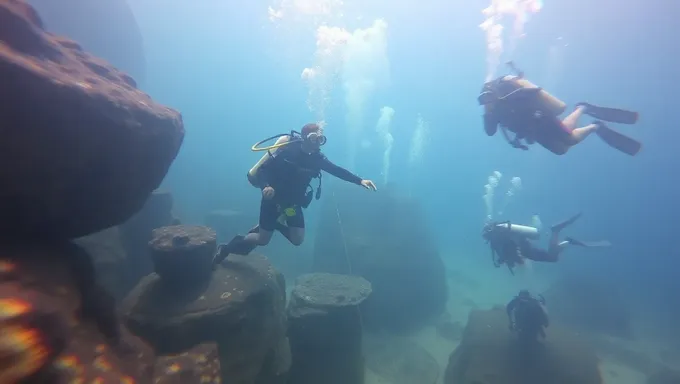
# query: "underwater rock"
200, 364
57, 325
240, 306
228, 223
82, 147
183, 254
109, 258
450, 330
490, 353
589, 305
402, 362
136, 233
107, 28
325, 329
384, 238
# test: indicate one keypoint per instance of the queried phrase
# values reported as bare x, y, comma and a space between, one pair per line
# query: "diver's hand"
268, 192
368, 184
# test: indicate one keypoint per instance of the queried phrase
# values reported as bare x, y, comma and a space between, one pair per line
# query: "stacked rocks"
325, 329
240, 307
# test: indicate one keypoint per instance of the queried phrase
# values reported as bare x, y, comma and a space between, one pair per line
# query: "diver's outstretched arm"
339, 172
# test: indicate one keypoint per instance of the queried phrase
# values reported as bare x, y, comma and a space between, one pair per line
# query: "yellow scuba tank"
547, 102
252, 173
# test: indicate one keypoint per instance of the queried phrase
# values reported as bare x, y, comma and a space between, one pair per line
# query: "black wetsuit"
290, 173
527, 315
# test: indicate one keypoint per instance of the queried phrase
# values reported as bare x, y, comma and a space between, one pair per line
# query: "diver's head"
312, 137
524, 294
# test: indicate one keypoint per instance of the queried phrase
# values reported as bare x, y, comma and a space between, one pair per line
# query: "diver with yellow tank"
532, 114
284, 174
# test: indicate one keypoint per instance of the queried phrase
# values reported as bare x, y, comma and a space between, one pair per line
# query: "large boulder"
490, 353
325, 329
82, 147
240, 307
590, 305
384, 238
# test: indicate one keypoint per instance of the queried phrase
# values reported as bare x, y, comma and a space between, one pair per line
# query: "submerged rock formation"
82, 147
325, 329
240, 307
384, 238
490, 354
589, 305
136, 233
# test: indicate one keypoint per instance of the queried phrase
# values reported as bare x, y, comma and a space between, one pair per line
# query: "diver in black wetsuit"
284, 175
527, 316
510, 244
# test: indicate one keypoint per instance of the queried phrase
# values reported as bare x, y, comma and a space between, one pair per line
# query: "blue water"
235, 76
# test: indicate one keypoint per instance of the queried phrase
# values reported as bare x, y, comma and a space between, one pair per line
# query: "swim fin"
560, 226
618, 140
588, 244
612, 115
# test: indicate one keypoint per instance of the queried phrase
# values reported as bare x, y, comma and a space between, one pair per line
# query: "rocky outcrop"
589, 305
82, 147
384, 238
325, 329
239, 307
490, 354
200, 364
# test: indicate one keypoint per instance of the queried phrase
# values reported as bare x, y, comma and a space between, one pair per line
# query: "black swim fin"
560, 226
612, 115
617, 140
588, 244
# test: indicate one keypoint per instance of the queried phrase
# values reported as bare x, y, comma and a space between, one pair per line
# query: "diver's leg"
555, 229
579, 134
262, 233
542, 255
571, 120
295, 230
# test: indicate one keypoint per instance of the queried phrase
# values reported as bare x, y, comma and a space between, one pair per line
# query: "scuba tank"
521, 230
545, 101
270, 154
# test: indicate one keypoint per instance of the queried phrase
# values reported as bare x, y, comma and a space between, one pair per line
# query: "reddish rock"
82, 147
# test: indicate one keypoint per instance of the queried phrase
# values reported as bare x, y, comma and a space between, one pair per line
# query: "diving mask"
317, 138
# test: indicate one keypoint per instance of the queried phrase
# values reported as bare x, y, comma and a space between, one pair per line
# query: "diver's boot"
238, 246
588, 244
617, 140
560, 226
612, 115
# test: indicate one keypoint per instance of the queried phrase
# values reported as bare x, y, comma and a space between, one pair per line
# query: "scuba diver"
284, 175
532, 114
528, 316
510, 243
